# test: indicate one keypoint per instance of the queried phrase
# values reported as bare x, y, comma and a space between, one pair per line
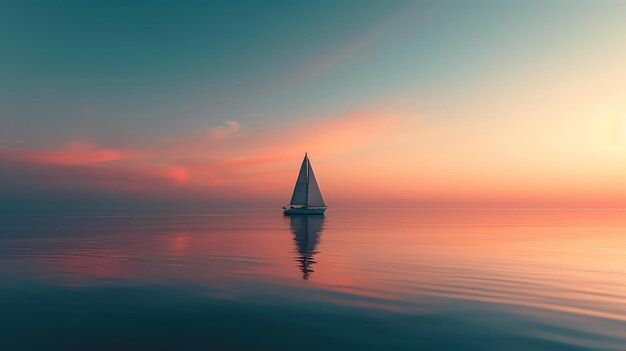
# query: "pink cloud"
227, 164
179, 175
74, 153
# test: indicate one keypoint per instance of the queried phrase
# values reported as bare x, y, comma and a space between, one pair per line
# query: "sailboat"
307, 198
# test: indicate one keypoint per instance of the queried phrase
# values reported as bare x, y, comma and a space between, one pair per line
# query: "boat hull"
304, 211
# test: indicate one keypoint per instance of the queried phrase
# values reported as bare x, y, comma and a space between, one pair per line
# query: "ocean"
354, 279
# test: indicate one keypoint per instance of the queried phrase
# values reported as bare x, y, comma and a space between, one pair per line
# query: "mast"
306, 159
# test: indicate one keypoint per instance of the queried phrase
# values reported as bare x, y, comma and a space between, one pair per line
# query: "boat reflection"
307, 231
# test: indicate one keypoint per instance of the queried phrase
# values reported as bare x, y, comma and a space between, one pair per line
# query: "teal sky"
115, 70
161, 67
127, 75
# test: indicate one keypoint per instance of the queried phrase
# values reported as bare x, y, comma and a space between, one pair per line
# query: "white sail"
299, 192
314, 195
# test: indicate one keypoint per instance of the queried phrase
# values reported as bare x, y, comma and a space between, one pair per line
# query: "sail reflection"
307, 231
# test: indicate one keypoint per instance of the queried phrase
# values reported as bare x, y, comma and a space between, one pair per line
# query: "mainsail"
307, 192
314, 194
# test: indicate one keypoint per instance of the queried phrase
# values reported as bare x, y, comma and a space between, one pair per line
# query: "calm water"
372, 280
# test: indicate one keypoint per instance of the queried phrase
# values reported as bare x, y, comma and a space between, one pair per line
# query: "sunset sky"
426, 104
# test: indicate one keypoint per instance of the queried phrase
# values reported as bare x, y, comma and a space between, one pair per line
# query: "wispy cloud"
325, 62
229, 129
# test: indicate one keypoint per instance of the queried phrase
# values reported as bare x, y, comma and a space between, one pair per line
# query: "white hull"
303, 211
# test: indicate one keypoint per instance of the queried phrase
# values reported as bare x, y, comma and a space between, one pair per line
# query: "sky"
419, 104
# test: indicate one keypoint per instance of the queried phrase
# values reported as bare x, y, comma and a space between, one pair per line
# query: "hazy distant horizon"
64, 206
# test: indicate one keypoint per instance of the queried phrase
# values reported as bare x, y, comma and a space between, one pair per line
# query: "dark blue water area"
167, 318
